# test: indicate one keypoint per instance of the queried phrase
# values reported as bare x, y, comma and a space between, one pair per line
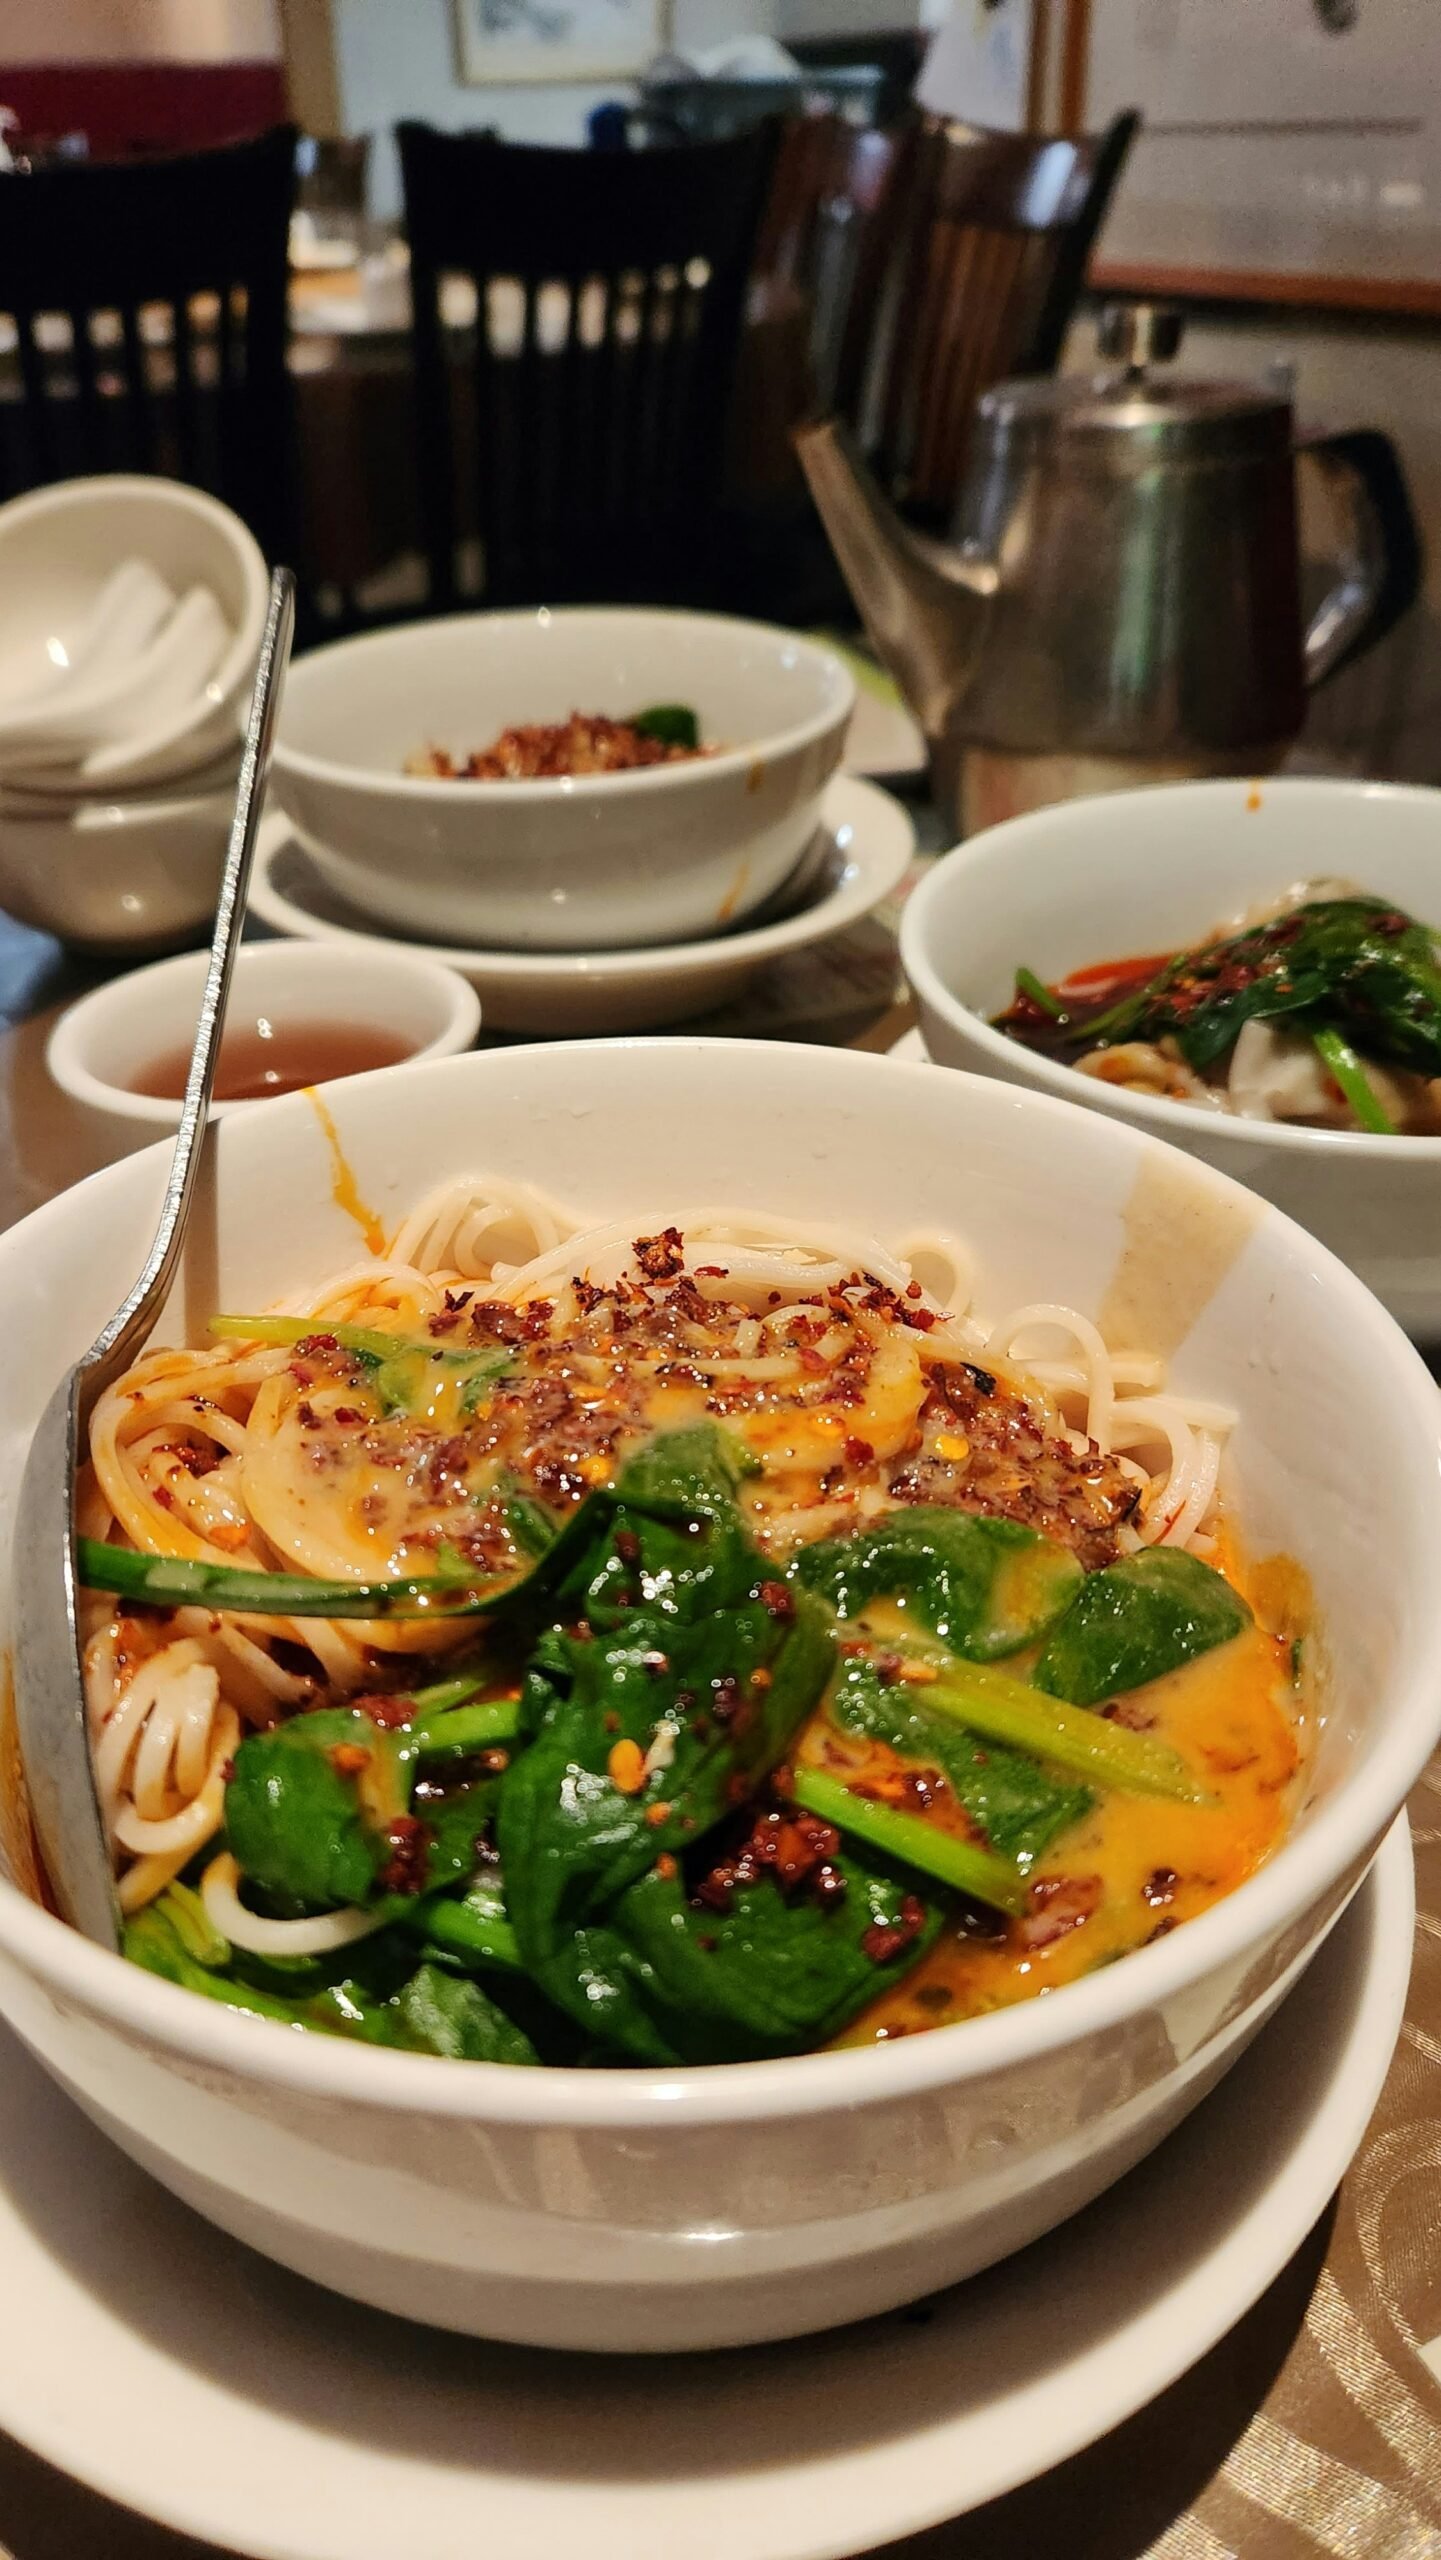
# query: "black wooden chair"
582, 446
968, 273
148, 301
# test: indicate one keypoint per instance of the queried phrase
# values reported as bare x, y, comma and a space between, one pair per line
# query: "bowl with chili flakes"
586, 780
676, 2204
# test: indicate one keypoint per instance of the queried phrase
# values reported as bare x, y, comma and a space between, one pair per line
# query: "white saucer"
166, 2365
860, 855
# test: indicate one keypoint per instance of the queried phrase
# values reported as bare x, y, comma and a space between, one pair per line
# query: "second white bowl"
1151, 871
586, 862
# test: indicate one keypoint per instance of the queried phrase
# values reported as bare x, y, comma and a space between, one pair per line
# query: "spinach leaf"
454, 1822
1355, 962
678, 1684
986, 1587
1016, 1804
661, 1981
1135, 1621
472, 1931
343, 2007
308, 1805
430, 2012
673, 723
439, 2012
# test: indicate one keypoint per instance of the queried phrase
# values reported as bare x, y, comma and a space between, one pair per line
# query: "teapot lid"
1129, 417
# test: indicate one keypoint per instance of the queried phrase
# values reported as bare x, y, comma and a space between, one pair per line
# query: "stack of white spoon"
129, 618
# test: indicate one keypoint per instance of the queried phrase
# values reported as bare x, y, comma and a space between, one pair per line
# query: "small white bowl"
57, 548
662, 2209
1150, 871
585, 862
123, 1027
128, 872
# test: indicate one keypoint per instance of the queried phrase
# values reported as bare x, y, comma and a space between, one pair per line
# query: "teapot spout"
924, 607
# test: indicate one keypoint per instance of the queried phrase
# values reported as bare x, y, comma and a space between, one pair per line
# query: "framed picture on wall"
521, 40
1290, 150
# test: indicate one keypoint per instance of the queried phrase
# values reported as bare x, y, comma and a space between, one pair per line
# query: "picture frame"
523, 41
1287, 151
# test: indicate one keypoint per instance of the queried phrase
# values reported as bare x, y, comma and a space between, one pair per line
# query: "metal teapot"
1121, 599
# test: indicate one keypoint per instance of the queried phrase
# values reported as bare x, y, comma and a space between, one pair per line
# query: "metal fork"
49, 1685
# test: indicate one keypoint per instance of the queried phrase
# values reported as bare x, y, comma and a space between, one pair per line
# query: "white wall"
398, 60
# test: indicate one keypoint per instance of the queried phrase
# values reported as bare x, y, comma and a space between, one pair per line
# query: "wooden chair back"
148, 299
584, 444
967, 275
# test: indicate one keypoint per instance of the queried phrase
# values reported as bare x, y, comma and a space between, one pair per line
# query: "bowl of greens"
630, 1638
576, 779
1250, 970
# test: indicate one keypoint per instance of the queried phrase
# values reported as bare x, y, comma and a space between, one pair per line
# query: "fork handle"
132, 1321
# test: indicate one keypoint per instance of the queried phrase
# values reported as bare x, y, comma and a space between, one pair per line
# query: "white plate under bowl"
169, 2368
867, 843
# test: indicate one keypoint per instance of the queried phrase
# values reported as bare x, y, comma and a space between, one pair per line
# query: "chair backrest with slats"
968, 275
148, 303
576, 426
829, 181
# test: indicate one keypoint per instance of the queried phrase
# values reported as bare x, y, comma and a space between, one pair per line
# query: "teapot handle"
1381, 560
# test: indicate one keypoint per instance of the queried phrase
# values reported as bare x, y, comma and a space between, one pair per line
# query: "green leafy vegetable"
1028, 984
1066, 1737
304, 1826
439, 2012
913, 1842
465, 1728
182, 1582
673, 723
431, 2011
472, 1931
1345, 1069
1357, 965
404, 1369
1018, 1806
987, 1587
1134, 1622
674, 1616
661, 1981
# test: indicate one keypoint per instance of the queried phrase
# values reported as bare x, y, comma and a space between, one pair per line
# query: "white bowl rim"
126, 992
427, 788
1009, 840
1336, 1837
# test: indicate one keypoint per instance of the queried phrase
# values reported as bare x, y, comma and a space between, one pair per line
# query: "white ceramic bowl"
125, 1026
57, 548
1148, 871
582, 863
665, 2209
118, 872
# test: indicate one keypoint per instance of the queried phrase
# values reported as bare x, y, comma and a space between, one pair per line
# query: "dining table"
1314, 2425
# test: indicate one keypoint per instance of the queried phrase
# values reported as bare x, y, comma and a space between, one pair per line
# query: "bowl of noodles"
722, 1677
1250, 970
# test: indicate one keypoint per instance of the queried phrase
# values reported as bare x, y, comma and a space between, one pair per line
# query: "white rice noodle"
1099, 1376
478, 1225
220, 1893
1179, 1500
